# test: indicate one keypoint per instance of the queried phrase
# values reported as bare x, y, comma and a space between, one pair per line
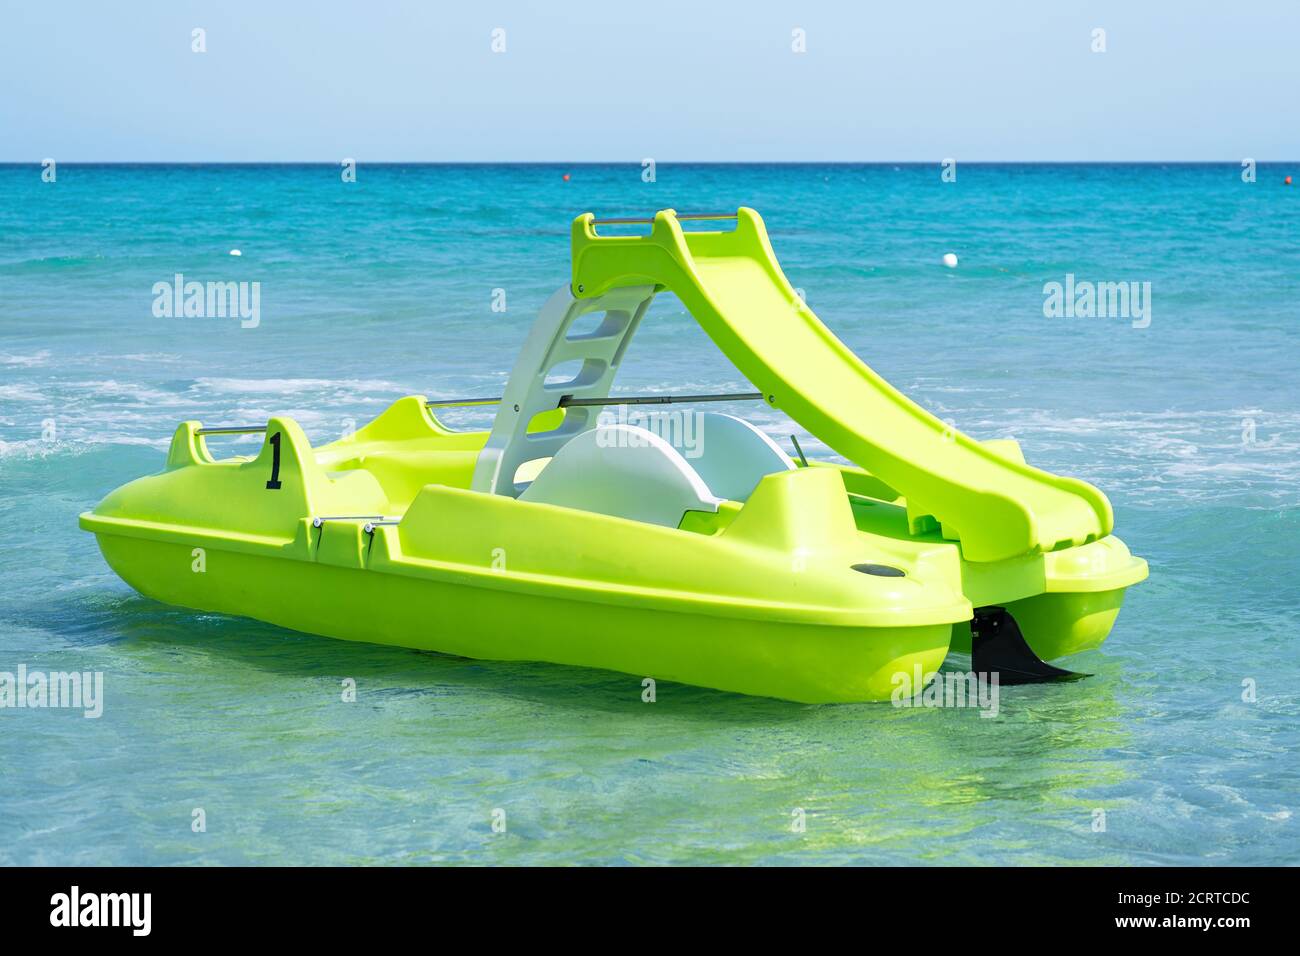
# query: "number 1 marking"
274, 483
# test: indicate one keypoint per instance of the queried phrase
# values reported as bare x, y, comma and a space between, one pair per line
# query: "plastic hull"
799, 662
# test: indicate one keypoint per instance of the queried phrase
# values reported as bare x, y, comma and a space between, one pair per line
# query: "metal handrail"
317, 522
681, 217
568, 401
231, 430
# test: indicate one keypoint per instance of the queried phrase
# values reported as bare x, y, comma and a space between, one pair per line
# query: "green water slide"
730, 281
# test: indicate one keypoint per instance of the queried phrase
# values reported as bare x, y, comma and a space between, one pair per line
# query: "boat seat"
624, 471
361, 490
730, 454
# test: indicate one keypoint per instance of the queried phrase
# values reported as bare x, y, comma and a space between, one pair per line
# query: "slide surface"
731, 283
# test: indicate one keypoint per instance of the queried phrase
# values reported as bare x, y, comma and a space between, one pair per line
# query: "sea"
222, 740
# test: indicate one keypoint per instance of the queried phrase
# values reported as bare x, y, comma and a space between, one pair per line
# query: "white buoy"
950, 260
235, 252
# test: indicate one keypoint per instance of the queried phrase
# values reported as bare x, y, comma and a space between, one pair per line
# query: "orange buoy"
1287, 180
566, 178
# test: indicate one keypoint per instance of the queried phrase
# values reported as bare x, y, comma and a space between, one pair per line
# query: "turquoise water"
385, 287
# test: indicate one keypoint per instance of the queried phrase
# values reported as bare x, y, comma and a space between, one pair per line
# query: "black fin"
997, 646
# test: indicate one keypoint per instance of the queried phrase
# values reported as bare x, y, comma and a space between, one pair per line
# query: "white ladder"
551, 343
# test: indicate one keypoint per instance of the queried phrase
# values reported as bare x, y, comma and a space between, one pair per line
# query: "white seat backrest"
729, 453
625, 471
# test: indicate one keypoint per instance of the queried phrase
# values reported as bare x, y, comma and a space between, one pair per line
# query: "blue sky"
676, 81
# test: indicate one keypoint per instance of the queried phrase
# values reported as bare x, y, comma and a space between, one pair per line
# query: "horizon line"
624, 162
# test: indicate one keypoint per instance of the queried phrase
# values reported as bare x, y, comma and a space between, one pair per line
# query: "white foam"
294, 386
22, 393
146, 357
139, 394
26, 361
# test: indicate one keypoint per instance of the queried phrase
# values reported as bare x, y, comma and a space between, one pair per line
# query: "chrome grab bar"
317, 522
681, 217
568, 401
231, 430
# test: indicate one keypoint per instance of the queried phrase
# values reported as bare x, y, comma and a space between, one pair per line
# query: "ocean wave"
25, 361
146, 357
295, 386
51, 262
39, 448
139, 394
22, 393
1241, 455
1244, 455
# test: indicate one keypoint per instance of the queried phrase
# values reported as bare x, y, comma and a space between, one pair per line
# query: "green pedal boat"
698, 552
